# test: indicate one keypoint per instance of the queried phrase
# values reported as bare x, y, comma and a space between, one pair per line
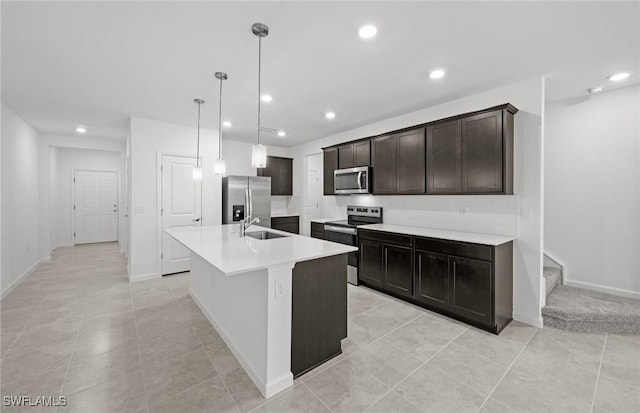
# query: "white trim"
159, 156
603, 289
22, 277
65, 244
144, 277
536, 322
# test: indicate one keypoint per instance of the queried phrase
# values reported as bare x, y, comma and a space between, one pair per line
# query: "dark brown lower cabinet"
317, 230
287, 224
318, 311
466, 281
432, 279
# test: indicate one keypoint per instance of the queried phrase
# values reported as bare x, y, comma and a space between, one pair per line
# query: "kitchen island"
279, 304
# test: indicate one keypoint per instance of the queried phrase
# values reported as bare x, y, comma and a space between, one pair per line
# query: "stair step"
580, 310
551, 278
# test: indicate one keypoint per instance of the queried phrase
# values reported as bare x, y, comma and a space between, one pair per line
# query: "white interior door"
181, 206
312, 191
95, 206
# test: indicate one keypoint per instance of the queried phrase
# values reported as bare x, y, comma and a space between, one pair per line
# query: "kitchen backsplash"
285, 205
489, 214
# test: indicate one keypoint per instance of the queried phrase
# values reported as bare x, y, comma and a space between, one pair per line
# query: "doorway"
181, 205
312, 187
95, 206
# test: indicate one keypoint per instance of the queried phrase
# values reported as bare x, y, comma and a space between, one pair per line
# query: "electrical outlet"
464, 210
525, 214
280, 289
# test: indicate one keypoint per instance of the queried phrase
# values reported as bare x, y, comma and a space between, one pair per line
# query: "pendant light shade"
219, 165
259, 156
197, 170
259, 152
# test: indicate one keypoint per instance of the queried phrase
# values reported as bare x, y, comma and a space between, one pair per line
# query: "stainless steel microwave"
352, 180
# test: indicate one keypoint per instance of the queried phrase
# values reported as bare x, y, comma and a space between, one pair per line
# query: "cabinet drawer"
456, 248
285, 220
386, 237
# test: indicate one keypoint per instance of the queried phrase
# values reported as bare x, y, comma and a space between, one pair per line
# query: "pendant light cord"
259, 89
220, 123
198, 144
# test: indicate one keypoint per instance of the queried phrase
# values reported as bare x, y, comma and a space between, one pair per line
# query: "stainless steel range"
346, 232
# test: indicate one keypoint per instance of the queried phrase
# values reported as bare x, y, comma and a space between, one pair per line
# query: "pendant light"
259, 152
219, 166
197, 170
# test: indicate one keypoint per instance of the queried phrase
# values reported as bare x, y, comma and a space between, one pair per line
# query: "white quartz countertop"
476, 238
223, 248
284, 214
323, 220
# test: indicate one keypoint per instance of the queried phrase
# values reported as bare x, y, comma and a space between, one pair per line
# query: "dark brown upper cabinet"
330, 165
354, 154
465, 154
444, 158
281, 172
398, 163
472, 154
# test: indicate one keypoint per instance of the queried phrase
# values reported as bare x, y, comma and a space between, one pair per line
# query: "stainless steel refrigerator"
234, 189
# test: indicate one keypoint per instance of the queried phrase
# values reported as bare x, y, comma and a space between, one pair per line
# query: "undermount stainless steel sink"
264, 235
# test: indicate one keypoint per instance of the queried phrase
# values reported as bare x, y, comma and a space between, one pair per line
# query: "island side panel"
237, 307
319, 311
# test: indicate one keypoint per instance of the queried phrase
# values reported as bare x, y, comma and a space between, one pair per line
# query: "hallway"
77, 328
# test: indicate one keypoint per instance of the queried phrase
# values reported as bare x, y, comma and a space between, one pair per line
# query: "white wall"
490, 214
67, 161
20, 197
149, 139
592, 190
49, 148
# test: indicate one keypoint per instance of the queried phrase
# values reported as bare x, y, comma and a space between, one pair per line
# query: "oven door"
352, 180
347, 236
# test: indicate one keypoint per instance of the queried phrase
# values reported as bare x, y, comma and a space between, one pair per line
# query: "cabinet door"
482, 153
345, 156
370, 266
330, 165
384, 161
362, 153
271, 170
411, 162
432, 278
471, 288
285, 176
444, 167
398, 269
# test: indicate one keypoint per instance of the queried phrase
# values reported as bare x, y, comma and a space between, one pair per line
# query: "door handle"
359, 180
196, 220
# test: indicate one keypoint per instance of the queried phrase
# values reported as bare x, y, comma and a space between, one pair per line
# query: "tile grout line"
317, 397
595, 390
206, 353
135, 322
507, 371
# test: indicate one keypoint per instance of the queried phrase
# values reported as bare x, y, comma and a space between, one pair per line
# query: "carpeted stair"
586, 311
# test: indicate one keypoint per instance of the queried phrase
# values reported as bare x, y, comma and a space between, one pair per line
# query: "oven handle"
350, 231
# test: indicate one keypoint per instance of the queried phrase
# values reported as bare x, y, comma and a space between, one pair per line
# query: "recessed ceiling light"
281, 133
619, 76
367, 31
226, 124
81, 129
595, 90
330, 115
266, 98
436, 74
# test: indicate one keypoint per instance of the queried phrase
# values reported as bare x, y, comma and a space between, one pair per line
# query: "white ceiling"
98, 63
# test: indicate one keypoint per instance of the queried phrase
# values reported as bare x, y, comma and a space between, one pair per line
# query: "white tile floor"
77, 328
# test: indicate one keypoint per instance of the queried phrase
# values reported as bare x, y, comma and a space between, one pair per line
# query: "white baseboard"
536, 322
21, 278
601, 288
143, 277
65, 244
